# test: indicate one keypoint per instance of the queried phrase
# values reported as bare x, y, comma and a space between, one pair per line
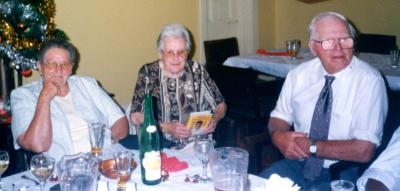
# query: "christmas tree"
24, 25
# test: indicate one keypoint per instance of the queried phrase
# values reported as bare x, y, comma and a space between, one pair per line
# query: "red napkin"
264, 52
172, 164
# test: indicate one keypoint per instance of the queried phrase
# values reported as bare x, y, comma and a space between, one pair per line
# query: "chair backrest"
228, 79
217, 51
376, 43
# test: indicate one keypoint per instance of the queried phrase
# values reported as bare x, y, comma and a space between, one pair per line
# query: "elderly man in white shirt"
384, 173
356, 114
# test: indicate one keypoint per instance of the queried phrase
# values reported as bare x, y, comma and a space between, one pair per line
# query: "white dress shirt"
386, 167
359, 104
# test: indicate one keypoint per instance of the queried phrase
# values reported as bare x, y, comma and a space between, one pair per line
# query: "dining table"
175, 181
276, 63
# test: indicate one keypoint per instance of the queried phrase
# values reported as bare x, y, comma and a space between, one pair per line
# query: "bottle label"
152, 165
151, 129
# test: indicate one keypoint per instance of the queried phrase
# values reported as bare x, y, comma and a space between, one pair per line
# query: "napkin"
264, 52
172, 164
277, 183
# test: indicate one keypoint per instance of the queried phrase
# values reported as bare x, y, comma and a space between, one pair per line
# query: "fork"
29, 178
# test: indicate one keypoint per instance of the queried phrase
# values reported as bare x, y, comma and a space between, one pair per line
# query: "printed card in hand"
198, 121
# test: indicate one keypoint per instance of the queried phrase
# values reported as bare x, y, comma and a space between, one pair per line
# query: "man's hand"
286, 143
304, 143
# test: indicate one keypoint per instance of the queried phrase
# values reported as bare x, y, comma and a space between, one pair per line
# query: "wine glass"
4, 161
202, 146
42, 167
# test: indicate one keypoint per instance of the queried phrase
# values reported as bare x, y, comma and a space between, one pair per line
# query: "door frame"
248, 37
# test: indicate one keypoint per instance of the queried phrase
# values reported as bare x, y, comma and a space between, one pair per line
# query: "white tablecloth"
175, 182
281, 65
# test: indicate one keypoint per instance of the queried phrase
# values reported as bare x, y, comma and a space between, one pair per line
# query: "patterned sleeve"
138, 94
218, 98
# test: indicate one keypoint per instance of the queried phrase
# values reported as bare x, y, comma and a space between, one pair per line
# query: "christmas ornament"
26, 73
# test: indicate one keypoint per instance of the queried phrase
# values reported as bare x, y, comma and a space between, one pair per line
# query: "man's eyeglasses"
171, 54
54, 65
329, 44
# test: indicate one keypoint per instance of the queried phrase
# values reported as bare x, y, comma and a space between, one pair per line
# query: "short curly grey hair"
173, 30
312, 27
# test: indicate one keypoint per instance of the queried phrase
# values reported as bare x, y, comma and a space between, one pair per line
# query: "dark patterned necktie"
319, 127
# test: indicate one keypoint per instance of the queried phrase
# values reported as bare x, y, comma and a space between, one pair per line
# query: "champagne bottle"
150, 158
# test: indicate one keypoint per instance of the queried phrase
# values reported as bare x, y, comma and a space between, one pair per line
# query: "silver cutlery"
31, 179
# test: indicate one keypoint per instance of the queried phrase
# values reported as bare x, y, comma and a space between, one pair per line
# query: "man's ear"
311, 47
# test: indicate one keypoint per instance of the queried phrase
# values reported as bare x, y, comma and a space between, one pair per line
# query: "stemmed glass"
42, 167
202, 146
4, 161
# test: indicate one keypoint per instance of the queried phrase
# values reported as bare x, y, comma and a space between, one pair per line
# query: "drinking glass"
123, 160
342, 185
4, 161
181, 142
293, 48
202, 146
394, 58
42, 167
96, 135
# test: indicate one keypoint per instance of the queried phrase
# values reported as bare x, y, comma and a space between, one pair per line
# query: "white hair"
173, 30
312, 27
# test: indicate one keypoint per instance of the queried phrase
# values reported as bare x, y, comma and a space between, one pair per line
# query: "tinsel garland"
24, 25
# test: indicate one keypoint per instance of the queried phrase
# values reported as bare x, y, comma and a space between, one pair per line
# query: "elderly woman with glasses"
179, 85
53, 114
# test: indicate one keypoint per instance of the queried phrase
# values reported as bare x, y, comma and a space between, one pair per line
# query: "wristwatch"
313, 148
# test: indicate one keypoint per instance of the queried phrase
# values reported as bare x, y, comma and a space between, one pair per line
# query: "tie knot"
329, 80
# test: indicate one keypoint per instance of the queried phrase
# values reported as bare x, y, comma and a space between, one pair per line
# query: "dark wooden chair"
375, 43
249, 99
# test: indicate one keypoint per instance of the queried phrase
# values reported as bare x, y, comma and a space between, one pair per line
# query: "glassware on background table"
4, 161
293, 47
394, 58
42, 167
202, 146
229, 168
342, 185
96, 135
123, 160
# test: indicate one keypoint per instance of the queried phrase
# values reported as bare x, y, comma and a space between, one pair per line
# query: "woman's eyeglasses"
329, 44
171, 54
54, 65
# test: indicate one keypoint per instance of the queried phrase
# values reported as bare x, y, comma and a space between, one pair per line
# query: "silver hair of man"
312, 27
173, 30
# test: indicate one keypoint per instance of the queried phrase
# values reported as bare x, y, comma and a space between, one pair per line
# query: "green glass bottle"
150, 156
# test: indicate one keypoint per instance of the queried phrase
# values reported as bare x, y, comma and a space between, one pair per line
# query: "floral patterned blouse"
176, 98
